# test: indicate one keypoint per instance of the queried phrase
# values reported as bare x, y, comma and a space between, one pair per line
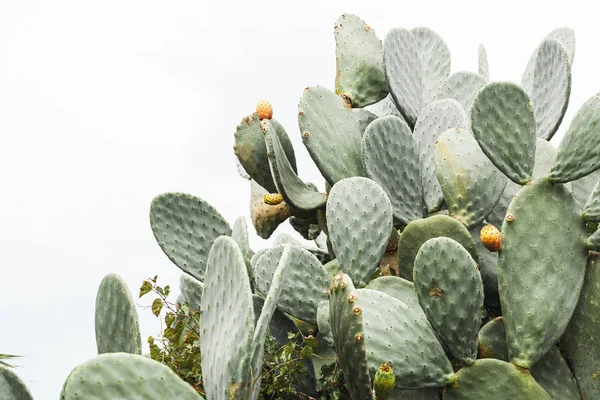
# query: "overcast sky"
104, 105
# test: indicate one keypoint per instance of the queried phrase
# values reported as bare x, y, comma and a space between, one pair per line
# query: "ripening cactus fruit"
264, 110
491, 238
384, 382
273, 199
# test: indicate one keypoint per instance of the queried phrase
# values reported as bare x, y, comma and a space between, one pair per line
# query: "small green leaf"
169, 319
146, 288
167, 290
157, 306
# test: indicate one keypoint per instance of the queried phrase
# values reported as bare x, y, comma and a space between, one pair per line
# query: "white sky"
105, 104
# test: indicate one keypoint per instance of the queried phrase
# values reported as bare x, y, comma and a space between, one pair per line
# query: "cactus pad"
503, 122
12, 387
125, 376
462, 87
533, 258
357, 207
579, 151
191, 292
591, 210
362, 119
391, 158
435, 61
185, 228
471, 184
117, 324
483, 66
450, 290
435, 118
359, 57
329, 134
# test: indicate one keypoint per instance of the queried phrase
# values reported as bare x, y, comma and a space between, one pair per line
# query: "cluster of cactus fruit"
455, 247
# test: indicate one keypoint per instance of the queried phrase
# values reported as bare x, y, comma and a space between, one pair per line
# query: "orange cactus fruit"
264, 110
491, 238
273, 199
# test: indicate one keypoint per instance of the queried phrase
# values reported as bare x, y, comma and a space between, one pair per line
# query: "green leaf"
157, 306
146, 288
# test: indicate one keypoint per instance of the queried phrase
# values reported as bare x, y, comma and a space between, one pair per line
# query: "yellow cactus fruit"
273, 199
264, 110
491, 238
384, 382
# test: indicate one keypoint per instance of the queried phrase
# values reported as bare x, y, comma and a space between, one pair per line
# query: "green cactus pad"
583, 187
333, 268
435, 61
429, 393
329, 134
591, 210
593, 242
300, 296
387, 106
362, 119
191, 292
359, 57
227, 322
580, 343
483, 66
185, 228
551, 371
324, 323
391, 158
461, 86
266, 218
348, 337
251, 151
494, 379
450, 290
532, 260
435, 118
241, 171
550, 87
125, 376
488, 267
418, 232
471, 184
12, 387
545, 153
294, 191
503, 123
117, 323
359, 207
401, 289
240, 235
404, 74
579, 150
395, 333
566, 37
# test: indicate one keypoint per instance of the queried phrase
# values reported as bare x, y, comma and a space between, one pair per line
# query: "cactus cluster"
455, 246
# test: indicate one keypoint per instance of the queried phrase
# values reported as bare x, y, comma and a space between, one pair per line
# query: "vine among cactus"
454, 252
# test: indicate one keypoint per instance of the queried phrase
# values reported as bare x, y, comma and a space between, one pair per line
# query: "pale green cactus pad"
251, 151
532, 259
362, 118
418, 232
239, 233
359, 207
503, 122
545, 153
593, 242
306, 286
591, 210
435, 118
125, 376
580, 343
391, 158
566, 36
551, 371
461, 86
185, 228
450, 291
11, 386
579, 150
387, 106
483, 67
294, 191
471, 184
117, 323
549, 87
583, 187
330, 134
191, 292
404, 74
324, 323
435, 61
359, 57
494, 379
